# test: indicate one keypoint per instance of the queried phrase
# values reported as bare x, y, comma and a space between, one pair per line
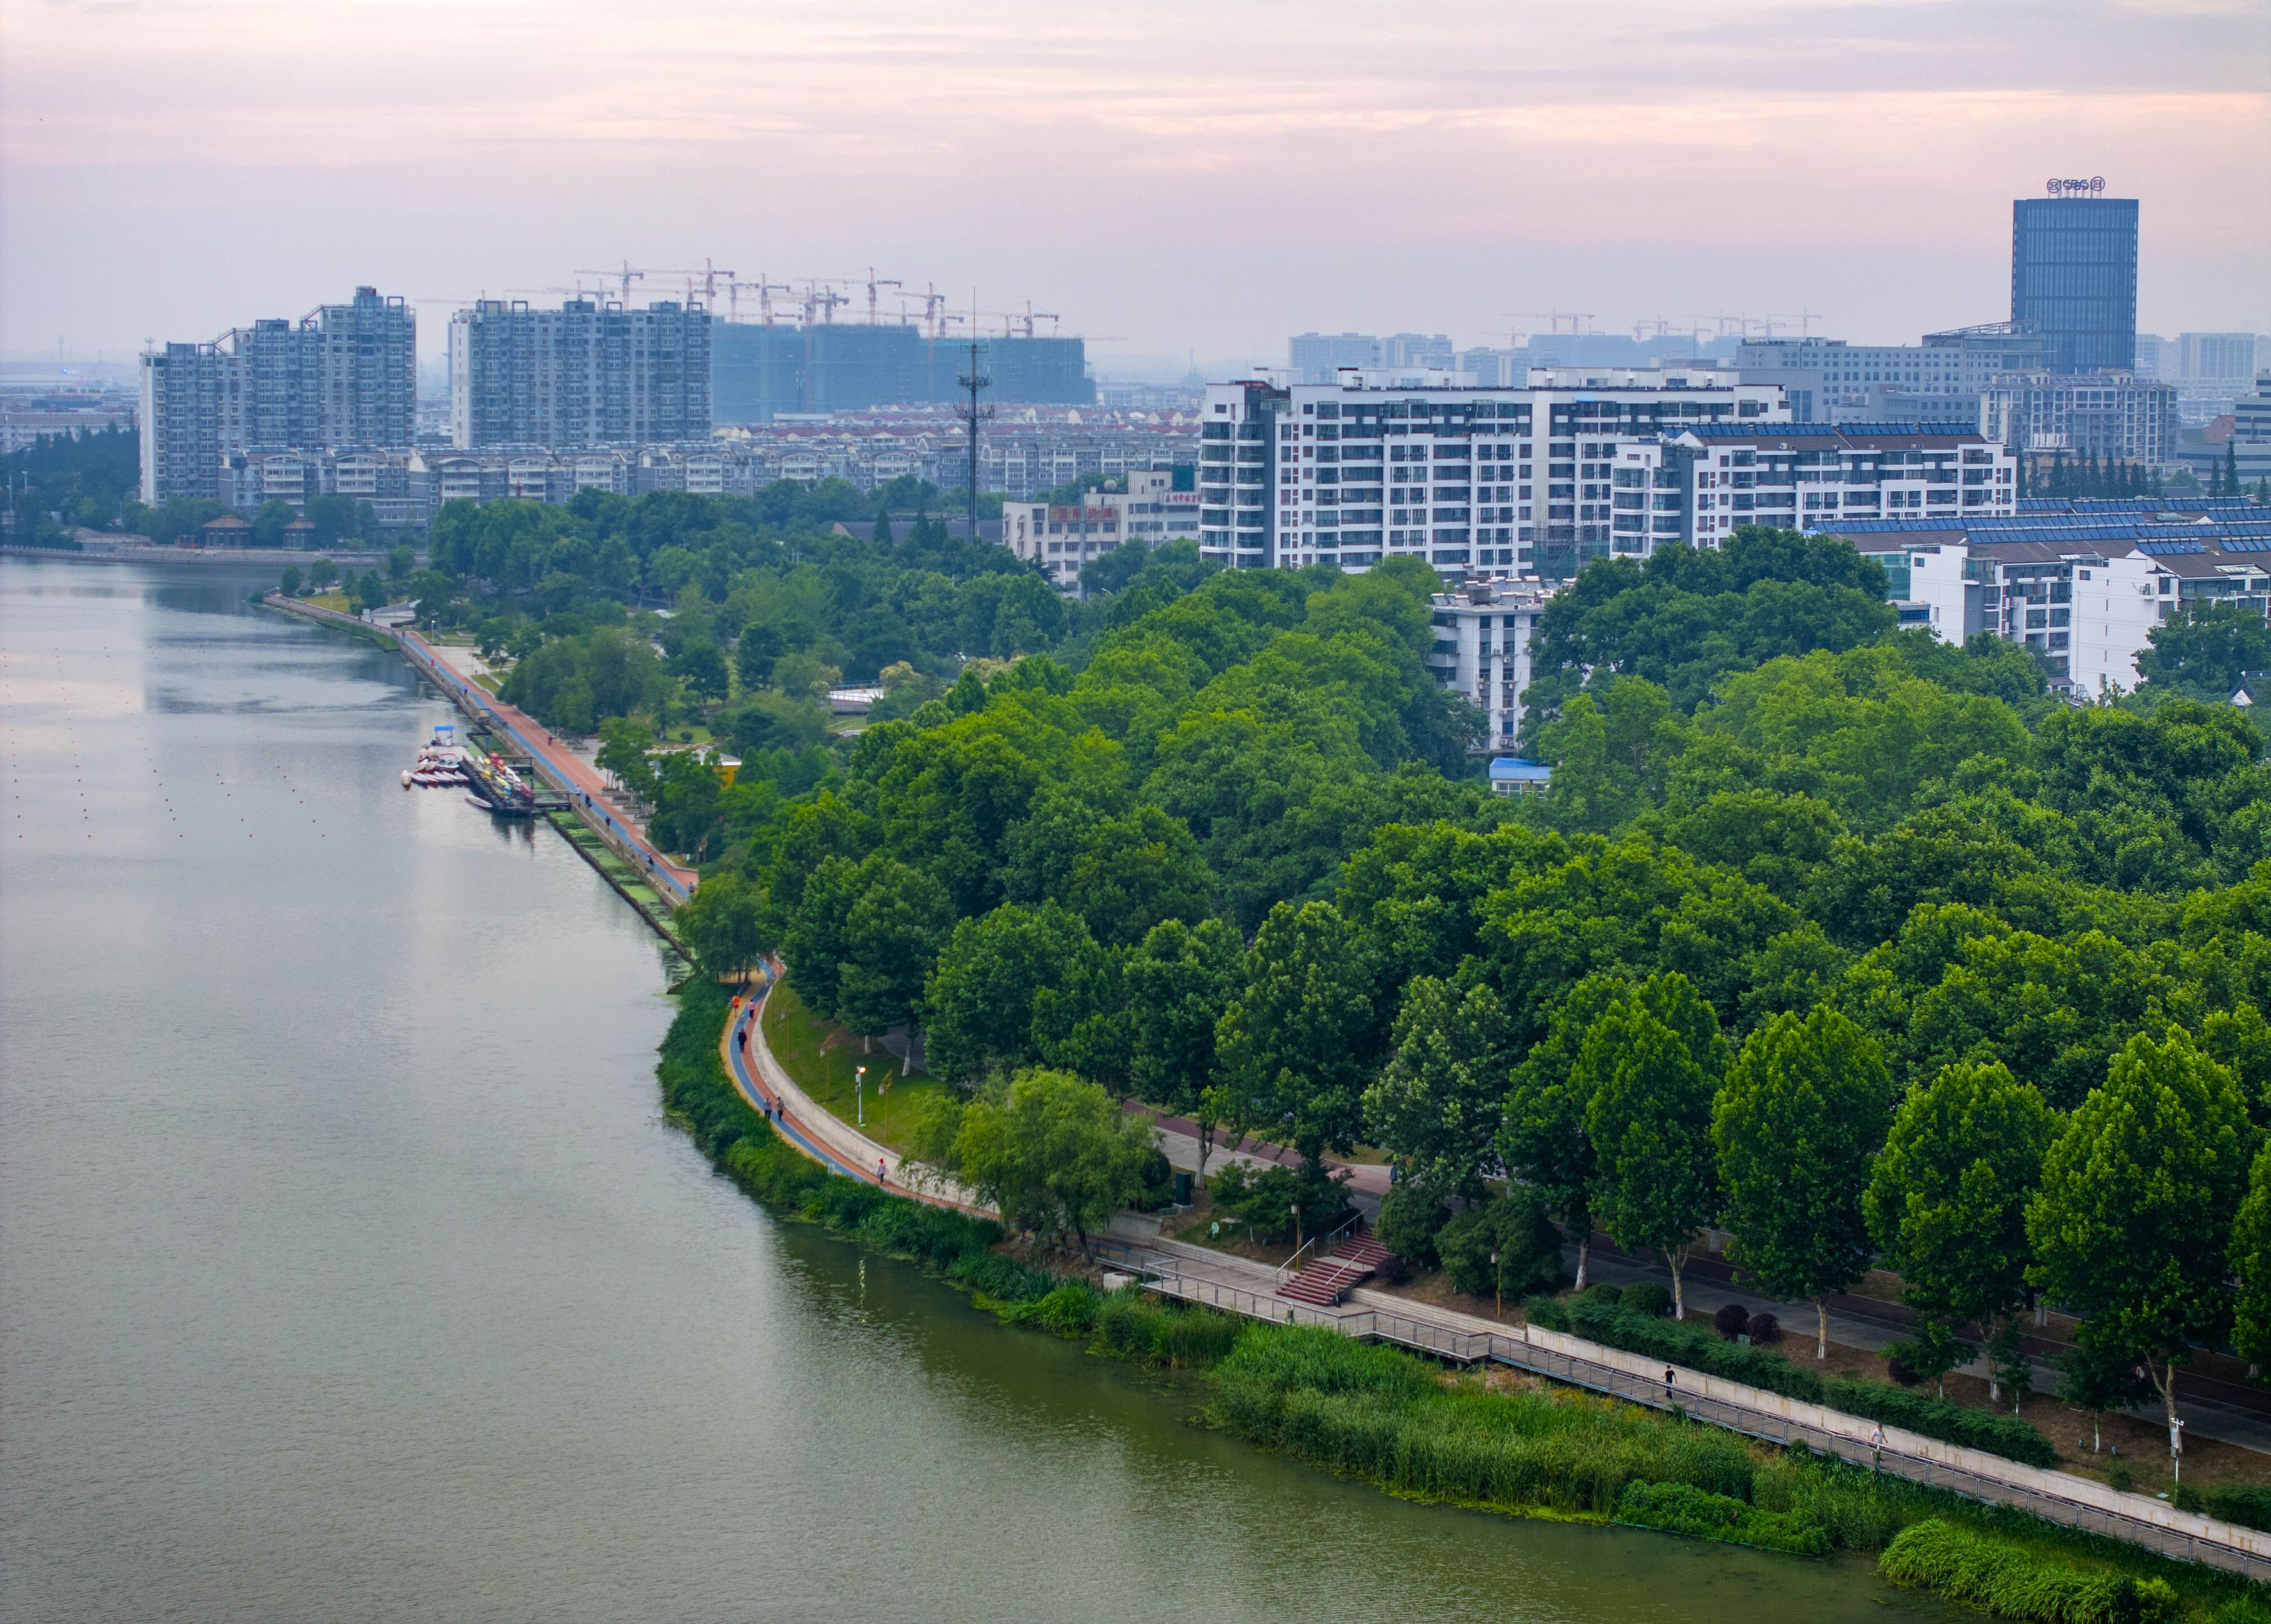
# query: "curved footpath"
815, 1130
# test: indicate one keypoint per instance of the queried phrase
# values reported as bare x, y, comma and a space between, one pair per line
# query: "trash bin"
1182, 1186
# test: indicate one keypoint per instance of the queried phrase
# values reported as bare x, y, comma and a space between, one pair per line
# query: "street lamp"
1294, 1207
859, 1106
1499, 1280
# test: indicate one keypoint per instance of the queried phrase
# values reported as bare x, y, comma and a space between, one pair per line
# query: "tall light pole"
859, 1105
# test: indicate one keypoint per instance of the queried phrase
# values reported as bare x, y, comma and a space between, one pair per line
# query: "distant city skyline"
1167, 183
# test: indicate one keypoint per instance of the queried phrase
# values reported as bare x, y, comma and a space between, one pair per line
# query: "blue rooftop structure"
1512, 775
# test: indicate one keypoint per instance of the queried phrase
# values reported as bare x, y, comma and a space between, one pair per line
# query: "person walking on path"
1667, 1384
1876, 1448
880, 1179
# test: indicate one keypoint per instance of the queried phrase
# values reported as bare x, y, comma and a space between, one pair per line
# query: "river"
348, 1270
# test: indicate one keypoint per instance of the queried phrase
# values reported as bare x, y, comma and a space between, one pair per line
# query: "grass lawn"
822, 1055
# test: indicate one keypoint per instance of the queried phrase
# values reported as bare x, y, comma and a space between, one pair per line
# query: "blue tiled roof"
1515, 769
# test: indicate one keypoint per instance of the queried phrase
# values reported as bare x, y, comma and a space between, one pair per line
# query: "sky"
1199, 178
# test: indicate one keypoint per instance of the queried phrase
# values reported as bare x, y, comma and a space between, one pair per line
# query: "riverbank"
1482, 1439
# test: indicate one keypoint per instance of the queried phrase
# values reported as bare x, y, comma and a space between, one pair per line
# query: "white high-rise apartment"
1713, 478
1502, 481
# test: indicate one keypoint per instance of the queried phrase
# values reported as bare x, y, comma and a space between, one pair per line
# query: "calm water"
346, 1271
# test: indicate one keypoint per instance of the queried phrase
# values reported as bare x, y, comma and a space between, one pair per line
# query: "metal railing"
1291, 1266
1165, 1273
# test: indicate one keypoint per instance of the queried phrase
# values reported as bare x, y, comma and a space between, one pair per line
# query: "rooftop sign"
2089, 188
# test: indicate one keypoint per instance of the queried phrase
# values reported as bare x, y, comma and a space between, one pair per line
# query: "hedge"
1981, 1572
2006, 1435
1682, 1343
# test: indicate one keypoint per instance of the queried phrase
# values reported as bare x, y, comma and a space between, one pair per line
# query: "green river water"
348, 1270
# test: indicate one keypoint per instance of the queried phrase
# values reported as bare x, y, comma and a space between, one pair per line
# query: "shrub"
1411, 1216
996, 1278
1682, 1508
2245, 1504
1765, 1329
1690, 1345
2006, 1435
1972, 1569
2120, 1478
1515, 1230
1070, 1310
1548, 1312
1264, 1200
1732, 1321
1647, 1297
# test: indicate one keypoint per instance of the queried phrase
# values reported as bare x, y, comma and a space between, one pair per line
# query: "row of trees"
1795, 872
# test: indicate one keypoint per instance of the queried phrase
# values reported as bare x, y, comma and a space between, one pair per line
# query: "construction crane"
628, 274
1553, 319
765, 290
873, 283
820, 295
934, 308
1804, 319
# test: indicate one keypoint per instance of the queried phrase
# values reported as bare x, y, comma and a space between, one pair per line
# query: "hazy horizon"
1167, 182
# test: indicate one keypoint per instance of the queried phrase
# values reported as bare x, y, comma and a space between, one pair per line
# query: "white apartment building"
2105, 414
1494, 481
1157, 505
1717, 477
1484, 634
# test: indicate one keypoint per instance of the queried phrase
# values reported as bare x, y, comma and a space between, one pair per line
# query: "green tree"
1947, 1202
980, 1001
2250, 1260
1542, 1136
1052, 1153
1296, 1046
322, 573
290, 584
400, 560
892, 933
1650, 1065
1181, 980
755, 655
624, 746
2132, 1228
2098, 1378
1503, 1248
1802, 1113
722, 925
1438, 1104
703, 667
2202, 653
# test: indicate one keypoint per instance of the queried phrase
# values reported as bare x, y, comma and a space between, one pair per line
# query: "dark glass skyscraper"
2073, 276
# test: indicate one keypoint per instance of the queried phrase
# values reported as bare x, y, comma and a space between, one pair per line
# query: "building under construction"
758, 371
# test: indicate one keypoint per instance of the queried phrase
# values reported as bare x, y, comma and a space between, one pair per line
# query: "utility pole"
973, 381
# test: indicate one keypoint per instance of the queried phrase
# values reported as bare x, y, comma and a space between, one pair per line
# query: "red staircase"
1323, 1281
